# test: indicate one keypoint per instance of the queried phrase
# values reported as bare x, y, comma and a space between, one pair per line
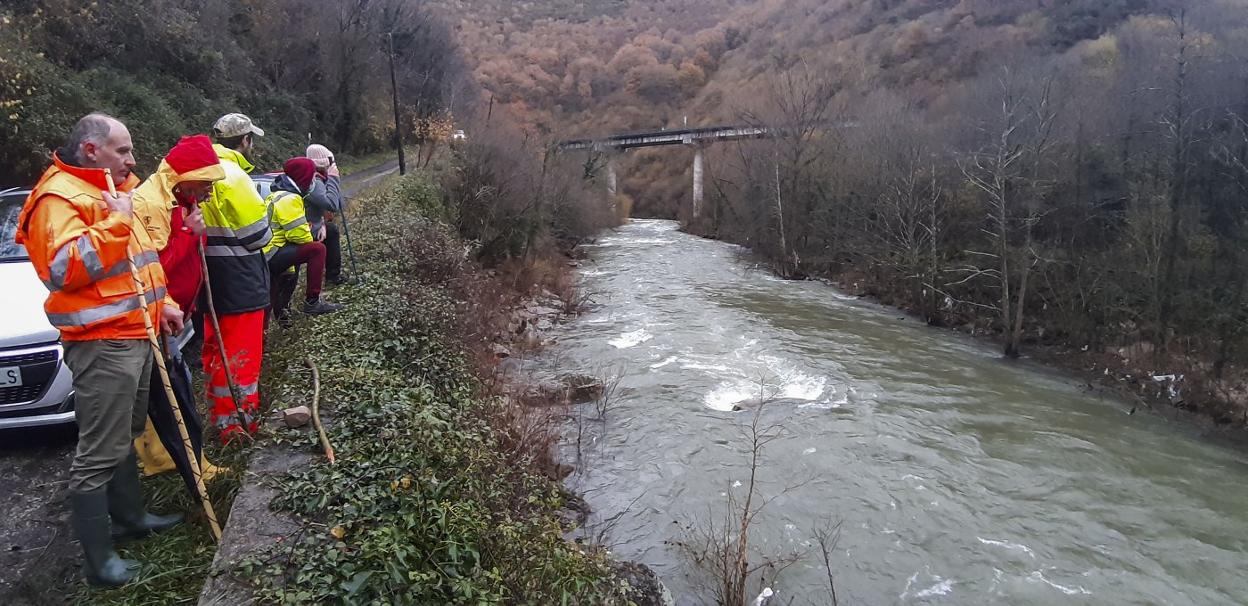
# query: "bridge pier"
611, 179
698, 161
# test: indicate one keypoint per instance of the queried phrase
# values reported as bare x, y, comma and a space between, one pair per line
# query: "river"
957, 477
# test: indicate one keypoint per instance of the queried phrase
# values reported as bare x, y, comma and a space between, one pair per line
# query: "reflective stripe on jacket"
236, 221
290, 223
82, 253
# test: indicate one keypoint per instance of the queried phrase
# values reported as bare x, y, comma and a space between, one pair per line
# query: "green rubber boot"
89, 518
125, 504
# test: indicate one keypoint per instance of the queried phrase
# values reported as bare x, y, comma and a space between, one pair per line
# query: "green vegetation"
428, 501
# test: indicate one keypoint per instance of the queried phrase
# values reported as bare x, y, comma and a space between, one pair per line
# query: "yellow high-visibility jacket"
290, 221
237, 229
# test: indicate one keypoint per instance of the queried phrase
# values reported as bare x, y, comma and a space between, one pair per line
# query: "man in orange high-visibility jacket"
82, 241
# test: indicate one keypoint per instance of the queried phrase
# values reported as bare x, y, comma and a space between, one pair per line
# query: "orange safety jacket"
81, 251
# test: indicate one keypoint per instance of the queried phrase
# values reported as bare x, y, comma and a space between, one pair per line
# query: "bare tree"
1176, 125
910, 216
1008, 173
827, 536
798, 113
719, 545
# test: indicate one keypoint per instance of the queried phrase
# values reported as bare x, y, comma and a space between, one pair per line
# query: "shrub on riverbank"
515, 198
424, 504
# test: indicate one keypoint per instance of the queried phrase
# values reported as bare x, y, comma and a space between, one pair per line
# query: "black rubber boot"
89, 518
125, 504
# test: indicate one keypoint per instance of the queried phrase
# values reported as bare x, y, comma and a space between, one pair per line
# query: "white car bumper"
47, 394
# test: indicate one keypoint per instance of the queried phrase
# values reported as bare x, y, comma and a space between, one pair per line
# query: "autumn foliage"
1064, 176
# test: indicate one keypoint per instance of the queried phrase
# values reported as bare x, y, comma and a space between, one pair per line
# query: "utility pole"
394, 89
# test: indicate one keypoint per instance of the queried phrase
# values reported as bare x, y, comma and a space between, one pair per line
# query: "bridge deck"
685, 136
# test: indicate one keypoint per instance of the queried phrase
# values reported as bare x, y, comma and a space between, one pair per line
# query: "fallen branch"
316, 411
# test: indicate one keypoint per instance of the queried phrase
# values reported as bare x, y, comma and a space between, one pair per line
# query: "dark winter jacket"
326, 196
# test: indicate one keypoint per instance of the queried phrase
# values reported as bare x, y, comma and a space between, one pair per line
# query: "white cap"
320, 155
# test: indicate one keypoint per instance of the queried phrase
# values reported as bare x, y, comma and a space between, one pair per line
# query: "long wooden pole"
164, 378
346, 233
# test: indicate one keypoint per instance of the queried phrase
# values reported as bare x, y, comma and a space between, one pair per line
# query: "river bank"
437, 495
1169, 386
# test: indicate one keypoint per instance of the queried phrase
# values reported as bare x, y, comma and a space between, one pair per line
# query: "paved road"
38, 561
356, 182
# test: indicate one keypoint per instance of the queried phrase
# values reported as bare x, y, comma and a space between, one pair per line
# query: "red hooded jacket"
163, 216
180, 259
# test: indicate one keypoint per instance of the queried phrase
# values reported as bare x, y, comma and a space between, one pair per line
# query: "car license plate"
10, 376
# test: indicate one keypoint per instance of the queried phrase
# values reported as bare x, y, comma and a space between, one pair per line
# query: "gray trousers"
112, 379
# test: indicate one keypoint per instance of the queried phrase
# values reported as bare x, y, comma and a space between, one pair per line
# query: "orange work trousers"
243, 336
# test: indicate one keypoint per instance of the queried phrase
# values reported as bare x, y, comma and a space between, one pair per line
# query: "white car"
35, 385
264, 183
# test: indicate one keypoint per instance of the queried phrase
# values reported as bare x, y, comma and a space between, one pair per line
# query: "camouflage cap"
235, 125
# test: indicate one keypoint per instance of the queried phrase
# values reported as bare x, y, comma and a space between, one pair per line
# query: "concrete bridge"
684, 136
698, 138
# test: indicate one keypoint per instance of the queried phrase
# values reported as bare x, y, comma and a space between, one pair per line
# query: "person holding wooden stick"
83, 244
167, 204
237, 223
323, 203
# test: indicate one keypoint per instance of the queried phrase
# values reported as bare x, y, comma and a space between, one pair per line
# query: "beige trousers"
111, 383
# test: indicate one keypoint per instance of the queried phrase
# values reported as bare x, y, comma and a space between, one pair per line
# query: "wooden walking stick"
164, 378
235, 393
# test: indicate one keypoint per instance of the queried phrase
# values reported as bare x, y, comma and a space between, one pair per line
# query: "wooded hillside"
1070, 174
299, 68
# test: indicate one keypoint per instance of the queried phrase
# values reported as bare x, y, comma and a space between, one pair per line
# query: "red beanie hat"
193, 159
301, 171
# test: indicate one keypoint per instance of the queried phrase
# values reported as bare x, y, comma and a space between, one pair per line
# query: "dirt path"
38, 558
